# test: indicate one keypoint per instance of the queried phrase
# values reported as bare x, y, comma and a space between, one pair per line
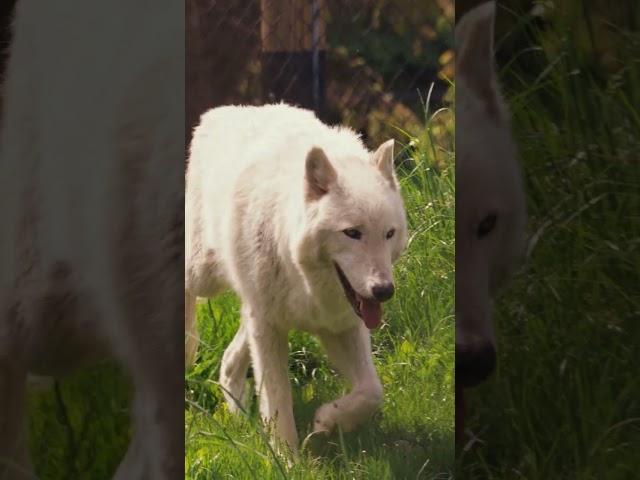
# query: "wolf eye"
353, 233
391, 233
486, 226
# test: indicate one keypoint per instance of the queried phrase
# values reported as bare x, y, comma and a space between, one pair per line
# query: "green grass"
80, 428
412, 437
565, 402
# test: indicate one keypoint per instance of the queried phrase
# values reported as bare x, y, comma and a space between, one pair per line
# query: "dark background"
379, 60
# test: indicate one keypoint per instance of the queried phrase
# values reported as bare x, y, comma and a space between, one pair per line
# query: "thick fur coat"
304, 224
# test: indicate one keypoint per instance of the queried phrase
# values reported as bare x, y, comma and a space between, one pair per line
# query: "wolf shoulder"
279, 134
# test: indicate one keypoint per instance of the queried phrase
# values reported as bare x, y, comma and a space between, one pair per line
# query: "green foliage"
393, 37
380, 55
80, 428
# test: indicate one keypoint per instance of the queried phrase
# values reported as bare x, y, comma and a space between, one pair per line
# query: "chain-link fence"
365, 63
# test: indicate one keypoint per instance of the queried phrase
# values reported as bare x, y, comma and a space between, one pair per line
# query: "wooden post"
293, 52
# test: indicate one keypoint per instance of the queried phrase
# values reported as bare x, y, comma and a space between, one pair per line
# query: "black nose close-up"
474, 364
383, 292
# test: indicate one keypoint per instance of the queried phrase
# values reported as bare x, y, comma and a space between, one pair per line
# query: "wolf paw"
327, 417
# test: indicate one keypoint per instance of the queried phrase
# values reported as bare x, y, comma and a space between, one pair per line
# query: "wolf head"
490, 209
359, 224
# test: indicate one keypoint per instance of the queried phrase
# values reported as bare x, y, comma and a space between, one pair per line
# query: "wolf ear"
474, 58
383, 159
320, 174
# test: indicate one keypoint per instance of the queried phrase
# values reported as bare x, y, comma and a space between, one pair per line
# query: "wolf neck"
317, 272
302, 248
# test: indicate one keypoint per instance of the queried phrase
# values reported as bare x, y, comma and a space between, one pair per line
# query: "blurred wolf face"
490, 209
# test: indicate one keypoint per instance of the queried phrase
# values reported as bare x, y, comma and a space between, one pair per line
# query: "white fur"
487, 182
90, 205
256, 223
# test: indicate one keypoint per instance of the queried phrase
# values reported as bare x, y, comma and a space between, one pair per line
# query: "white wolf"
490, 206
91, 208
304, 224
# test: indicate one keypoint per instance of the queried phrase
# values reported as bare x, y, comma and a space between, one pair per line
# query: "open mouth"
368, 309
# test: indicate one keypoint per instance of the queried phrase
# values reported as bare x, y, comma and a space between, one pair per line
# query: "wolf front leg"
157, 445
149, 350
350, 353
269, 355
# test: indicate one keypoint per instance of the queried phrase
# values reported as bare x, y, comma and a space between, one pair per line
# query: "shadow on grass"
415, 454
409, 453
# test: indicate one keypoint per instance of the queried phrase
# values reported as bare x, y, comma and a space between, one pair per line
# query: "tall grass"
412, 437
564, 402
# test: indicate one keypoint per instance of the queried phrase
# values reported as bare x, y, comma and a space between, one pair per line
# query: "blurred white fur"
91, 207
488, 184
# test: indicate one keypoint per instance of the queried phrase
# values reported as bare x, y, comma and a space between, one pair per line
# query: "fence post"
293, 52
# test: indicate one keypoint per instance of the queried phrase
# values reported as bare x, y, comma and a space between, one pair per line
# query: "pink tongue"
371, 312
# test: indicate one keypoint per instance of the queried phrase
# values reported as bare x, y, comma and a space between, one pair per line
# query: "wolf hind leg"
350, 353
233, 372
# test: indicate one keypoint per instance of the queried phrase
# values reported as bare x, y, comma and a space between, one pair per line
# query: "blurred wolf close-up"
490, 203
304, 224
91, 207
562, 337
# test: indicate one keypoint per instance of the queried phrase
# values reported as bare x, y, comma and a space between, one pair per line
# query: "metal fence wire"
364, 63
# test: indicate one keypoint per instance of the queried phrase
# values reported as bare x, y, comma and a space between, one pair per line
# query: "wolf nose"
383, 291
474, 363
